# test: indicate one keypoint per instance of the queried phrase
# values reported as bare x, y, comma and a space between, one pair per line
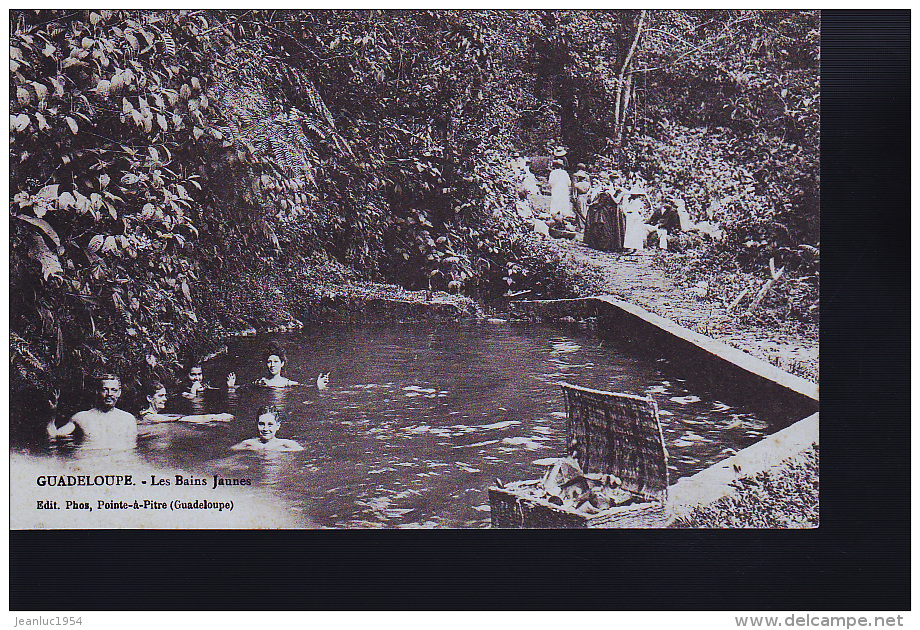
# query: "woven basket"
618, 434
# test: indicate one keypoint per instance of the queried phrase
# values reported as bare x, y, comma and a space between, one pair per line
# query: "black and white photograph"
451, 269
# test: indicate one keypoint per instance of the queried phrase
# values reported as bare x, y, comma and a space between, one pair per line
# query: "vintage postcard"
414, 269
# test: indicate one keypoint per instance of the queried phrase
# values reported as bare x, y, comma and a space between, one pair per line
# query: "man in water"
268, 424
103, 426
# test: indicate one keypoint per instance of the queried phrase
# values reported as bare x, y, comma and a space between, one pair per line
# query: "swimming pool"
419, 419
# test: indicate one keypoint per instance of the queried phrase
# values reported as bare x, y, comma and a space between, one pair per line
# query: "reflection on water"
419, 420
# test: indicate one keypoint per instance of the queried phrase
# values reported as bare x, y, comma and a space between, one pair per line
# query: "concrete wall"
736, 375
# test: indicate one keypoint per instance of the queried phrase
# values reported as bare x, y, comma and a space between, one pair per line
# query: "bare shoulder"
87, 414
289, 445
121, 414
246, 445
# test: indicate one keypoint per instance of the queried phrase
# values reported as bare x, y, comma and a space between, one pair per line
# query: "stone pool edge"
718, 480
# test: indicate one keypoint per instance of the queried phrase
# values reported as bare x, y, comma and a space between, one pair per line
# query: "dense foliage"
168, 167
719, 108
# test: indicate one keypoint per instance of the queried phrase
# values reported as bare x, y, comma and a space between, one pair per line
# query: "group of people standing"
608, 211
616, 216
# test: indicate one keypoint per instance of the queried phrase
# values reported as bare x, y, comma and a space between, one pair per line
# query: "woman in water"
274, 363
156, 397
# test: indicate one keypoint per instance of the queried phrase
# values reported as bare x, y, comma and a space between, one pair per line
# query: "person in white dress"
560, 204
634, 206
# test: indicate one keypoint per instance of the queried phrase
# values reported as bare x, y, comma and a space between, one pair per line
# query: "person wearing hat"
529, 182
560, 203
560, 154
582, 186
634, 205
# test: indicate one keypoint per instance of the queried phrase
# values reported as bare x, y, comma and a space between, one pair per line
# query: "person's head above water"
156, 395
269, 421
274, 359
109, 391
195, 373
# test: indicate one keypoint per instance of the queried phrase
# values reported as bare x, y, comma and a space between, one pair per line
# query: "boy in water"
269, 422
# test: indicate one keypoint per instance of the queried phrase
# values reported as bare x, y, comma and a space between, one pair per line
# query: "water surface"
419, 419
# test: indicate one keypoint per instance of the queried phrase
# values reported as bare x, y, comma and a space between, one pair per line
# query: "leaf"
104, 180
23, 96
103, 88
41, 91
95, 243
118, 81
197, 132
128, 179
186, 292
109, 244
43, 225
66, 200
39, 252
49, 192
20, 122
170, 44
42, 123
58, 83
72, 124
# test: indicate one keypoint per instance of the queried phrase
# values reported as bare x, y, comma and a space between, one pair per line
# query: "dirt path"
641, 279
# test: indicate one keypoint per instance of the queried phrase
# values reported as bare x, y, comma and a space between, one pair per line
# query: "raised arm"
156, 418
206, 417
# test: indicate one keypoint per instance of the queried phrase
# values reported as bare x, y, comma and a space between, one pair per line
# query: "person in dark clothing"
606, 222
